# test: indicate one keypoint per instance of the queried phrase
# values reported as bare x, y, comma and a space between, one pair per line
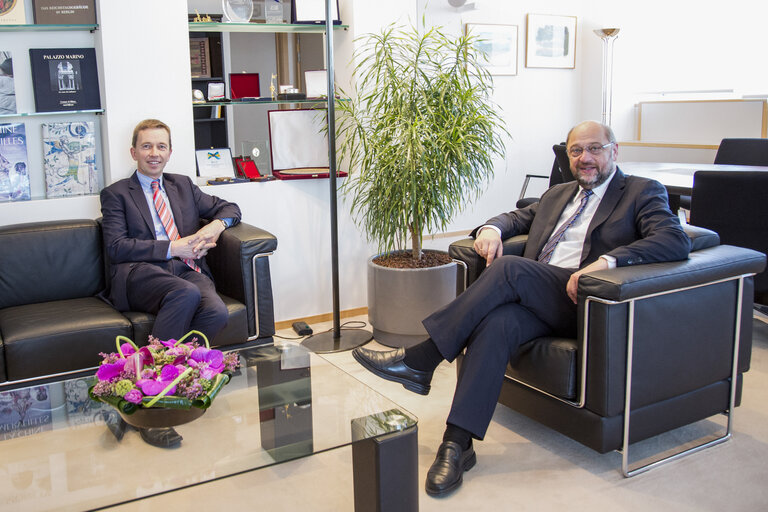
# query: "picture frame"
313, 12
499, 43
550, 41
215, 163
200, 57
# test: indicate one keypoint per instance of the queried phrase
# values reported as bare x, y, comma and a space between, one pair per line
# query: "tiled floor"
521, 465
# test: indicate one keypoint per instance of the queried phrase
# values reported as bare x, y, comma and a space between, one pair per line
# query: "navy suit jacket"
128, 230
633, 223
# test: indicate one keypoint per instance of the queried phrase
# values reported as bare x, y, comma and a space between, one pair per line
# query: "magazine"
14, 166
7, 86
69, 159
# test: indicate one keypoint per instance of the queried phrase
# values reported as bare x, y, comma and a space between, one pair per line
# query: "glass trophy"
237, 11
273, 11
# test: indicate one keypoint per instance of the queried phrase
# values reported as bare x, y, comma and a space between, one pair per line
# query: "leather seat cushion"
548, 364
59, 336
235, 333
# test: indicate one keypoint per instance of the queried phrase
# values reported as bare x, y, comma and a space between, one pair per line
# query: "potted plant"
420, 133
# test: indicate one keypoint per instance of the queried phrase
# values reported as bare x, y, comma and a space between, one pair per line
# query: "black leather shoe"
390, 365
161, 437
447, 472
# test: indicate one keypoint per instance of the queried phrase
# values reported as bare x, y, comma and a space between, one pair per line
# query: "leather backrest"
46, 261
563, 162
742, 152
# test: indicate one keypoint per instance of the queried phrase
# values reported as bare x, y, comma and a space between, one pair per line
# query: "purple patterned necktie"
546, 252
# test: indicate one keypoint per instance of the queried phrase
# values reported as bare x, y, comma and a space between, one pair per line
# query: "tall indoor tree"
420, 132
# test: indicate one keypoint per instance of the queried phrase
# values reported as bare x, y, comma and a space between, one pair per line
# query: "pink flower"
210, 362
152, 387
134, 396
109, 371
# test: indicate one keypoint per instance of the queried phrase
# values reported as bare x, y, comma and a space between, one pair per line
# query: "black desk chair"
742, 152
737, 152
561, 173
733, 204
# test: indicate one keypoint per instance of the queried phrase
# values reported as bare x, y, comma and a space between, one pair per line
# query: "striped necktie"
167, 219
546, 252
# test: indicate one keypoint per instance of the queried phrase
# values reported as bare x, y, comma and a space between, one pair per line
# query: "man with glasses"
602, 220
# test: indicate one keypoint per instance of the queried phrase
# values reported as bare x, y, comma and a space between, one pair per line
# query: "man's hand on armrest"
572, 287
488, 244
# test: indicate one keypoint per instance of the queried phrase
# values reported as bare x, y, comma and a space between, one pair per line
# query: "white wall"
143, 51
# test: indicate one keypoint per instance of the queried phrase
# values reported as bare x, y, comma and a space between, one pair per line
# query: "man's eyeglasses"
595, 149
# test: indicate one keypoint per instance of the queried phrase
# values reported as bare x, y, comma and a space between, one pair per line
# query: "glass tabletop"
63, 451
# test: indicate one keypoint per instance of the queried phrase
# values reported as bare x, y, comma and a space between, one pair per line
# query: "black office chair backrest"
563, 162
733, 204
742, 152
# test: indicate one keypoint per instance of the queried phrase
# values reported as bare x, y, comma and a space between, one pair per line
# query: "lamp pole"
608, 35
336, 340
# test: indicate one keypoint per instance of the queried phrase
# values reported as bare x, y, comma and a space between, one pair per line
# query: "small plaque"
215, 163
200, 57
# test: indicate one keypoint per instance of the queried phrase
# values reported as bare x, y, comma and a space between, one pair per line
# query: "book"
69, 159
14, 166
24, 412
64, 12
12, 12
64, 79
7, 86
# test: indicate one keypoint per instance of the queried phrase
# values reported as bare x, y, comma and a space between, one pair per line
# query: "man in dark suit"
602, 220
156, 247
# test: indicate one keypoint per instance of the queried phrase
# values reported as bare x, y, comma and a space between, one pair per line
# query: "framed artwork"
200, 57
550, 41
499, 43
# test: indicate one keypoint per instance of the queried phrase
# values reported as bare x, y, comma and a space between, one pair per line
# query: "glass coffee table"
62, 451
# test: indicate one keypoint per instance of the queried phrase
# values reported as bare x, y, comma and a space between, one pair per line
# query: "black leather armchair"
53, 321
659, 337
560, 173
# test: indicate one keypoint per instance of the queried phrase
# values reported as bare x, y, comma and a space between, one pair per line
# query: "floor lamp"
608, 35
335, 340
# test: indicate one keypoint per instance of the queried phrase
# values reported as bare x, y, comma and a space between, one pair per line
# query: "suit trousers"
513, 301
181, 299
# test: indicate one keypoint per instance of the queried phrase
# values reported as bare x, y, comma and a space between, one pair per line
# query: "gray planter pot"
399, 299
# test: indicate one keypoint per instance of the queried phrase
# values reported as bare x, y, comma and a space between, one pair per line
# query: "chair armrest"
463, 250
701, 238
240, 251
704, 266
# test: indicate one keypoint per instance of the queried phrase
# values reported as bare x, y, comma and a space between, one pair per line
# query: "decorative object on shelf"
272, 86
14, 166
316, 83
197, 96
257, 150
550, 41
411, 175
165, 383
273, 12
201, 19
299, 144
244, 85
237, 11
498, 43
608, 35
7, 85
65, 79
65, 12
12, 12
69, 159
215, 91
214, 163
313, 11
200, 57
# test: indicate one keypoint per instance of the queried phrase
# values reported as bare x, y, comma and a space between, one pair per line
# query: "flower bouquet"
163, 384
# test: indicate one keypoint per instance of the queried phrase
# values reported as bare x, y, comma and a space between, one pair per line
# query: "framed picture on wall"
499, 43
550, 41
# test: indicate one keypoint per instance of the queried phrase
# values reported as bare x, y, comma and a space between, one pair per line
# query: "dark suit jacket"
129, 234
633, 223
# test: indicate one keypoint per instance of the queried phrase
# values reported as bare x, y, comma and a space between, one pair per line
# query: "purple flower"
127, 349
134, 396
210, 362
152, 387
110, 371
